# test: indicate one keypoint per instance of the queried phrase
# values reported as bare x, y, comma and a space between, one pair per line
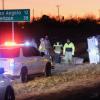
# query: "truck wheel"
24, 75
48, 70
9, 95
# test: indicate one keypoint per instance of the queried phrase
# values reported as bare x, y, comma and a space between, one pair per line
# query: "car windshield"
9, 52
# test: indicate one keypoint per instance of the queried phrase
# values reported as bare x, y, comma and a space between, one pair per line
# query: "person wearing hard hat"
58, 50
68, 51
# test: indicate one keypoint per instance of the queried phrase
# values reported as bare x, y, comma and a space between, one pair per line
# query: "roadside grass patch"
54, 82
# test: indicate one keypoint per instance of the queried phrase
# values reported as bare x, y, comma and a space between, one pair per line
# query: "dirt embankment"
88, 89
78, 83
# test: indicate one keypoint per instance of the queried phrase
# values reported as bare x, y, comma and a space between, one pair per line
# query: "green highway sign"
15, 15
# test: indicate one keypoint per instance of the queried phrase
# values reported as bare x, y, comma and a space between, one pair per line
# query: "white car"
21, 61
6, 89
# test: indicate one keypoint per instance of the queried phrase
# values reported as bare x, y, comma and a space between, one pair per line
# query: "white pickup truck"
21, 60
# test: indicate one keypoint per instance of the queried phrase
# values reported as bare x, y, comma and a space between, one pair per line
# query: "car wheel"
48, 69
24, 75
9, 95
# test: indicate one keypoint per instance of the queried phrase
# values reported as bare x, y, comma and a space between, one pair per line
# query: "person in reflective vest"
58, 50
49, 50
42, 47
68, 51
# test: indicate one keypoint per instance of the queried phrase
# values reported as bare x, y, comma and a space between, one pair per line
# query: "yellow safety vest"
70, 45
57, 48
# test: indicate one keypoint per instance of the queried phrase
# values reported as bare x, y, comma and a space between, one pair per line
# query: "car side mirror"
1, 70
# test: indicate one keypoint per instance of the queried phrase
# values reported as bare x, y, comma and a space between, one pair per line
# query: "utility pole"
41, 12
3, 4
99, 14
58, 11
33, 13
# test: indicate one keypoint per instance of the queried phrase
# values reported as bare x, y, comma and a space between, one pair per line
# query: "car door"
32, 61
38, 61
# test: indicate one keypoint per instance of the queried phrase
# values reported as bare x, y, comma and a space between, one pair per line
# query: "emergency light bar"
9, 43
15, 44
27, 43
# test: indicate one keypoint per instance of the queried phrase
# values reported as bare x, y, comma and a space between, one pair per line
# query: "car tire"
24, 75
9, 94
48, 70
